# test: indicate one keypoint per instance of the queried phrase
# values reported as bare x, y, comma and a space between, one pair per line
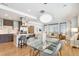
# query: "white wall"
36, 25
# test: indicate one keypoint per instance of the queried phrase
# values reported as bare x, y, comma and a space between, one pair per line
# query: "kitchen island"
6, 38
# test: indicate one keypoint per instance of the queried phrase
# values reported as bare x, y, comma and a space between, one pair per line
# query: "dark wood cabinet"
6, 38
7, 22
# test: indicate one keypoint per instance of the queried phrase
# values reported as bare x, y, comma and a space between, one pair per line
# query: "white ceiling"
9, 15
59, 11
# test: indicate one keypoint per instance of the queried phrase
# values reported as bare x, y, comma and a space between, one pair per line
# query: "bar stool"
21, 41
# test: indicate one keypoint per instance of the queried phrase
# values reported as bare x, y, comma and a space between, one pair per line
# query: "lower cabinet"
4, 38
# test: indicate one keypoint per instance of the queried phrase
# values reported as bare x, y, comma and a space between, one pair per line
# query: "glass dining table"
50, 48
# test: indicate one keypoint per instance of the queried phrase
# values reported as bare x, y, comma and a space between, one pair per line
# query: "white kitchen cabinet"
15, 24
1, 23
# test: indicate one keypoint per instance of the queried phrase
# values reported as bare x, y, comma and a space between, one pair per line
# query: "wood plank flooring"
68, 50
8, 49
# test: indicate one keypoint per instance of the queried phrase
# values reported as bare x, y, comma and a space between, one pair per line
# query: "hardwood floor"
67, 50
8, 49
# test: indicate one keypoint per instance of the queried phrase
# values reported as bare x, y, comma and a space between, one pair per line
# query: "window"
53, 28
63, 27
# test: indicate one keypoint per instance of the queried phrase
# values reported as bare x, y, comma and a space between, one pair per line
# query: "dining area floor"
9, 49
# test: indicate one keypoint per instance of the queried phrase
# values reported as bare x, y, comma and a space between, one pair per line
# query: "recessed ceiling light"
65, 5
45, 3
42, 11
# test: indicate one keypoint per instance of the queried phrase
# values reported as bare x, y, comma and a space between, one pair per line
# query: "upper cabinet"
15, 24
7, 22
1, 23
